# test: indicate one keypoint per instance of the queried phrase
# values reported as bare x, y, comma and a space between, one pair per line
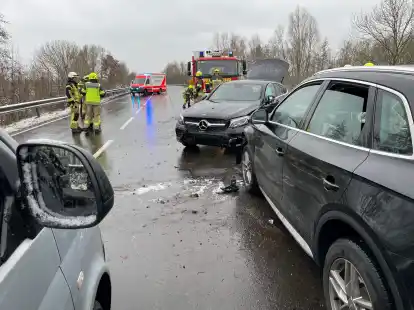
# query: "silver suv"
52, 256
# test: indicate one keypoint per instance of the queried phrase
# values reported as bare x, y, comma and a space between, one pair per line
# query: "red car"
149, 84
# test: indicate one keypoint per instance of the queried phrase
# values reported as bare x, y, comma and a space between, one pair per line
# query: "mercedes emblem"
203, 125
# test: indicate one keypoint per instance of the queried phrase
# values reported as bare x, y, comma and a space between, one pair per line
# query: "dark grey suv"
335, 162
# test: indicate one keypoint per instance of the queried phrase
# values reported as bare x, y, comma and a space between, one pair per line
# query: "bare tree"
277, 43
4, 35
303, 38
256, 47
46, 76
323, 58
56, 58
390, 25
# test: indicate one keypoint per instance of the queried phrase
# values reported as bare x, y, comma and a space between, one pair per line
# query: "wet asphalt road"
172, 240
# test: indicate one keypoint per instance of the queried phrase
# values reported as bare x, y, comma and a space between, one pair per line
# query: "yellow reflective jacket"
93, 92
216, 81
72, 92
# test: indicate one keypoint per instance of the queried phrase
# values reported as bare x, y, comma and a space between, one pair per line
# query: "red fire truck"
231, 67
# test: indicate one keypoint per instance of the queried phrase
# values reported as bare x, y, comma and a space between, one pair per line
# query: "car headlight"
238, 122
181, 120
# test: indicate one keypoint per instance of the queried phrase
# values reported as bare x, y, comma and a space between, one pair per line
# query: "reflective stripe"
93, 93
74, 92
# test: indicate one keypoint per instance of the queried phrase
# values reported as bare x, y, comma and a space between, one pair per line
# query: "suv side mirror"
189, 68
260, 116
64, 185
269, 99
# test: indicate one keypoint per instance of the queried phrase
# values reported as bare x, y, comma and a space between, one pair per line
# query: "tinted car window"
292, 110
278, 89
340, 114
393, 131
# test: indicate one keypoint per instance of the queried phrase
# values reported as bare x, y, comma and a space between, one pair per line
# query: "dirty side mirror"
260, 116
269, 99
64, 185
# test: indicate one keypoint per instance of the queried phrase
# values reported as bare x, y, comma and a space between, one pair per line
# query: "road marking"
126, 123
143, 105
103, 148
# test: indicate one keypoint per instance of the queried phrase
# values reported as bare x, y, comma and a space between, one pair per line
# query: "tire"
250, 182
188, 144
145, 93
345, 252
97, 306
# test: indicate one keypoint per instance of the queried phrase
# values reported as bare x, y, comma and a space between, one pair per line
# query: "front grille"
210, 120
196, 129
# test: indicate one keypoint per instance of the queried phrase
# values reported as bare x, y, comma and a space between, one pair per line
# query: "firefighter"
207, 86
216, 79
81, 85
198, 91
369, 64
73, 100
93, 93
188, 94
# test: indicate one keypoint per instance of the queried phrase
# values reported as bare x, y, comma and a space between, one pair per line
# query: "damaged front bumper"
221, 137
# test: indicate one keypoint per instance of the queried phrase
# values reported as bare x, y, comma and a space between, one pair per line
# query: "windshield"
139, 81
237, 92
226, 67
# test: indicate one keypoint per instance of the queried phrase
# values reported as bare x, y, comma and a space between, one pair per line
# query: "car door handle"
279, 151
330, 185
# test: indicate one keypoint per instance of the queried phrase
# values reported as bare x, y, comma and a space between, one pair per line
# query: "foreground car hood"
221, 110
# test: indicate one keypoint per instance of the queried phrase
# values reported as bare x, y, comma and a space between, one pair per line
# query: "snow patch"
199, 186
151, 188
33, 121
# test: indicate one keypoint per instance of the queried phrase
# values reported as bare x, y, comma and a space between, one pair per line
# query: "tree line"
46, 75
384, 36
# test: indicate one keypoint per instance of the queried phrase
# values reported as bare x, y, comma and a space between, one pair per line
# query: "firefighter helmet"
93, 76
72, 75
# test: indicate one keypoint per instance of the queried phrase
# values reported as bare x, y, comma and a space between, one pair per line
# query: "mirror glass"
57, 185
270, 99
259, 116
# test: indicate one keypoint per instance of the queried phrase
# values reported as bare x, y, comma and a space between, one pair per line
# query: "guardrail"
36, 104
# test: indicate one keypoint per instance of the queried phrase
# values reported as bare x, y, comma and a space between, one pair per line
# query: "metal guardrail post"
10, 108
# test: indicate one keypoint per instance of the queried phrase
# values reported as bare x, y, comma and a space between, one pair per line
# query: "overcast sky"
148, 34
